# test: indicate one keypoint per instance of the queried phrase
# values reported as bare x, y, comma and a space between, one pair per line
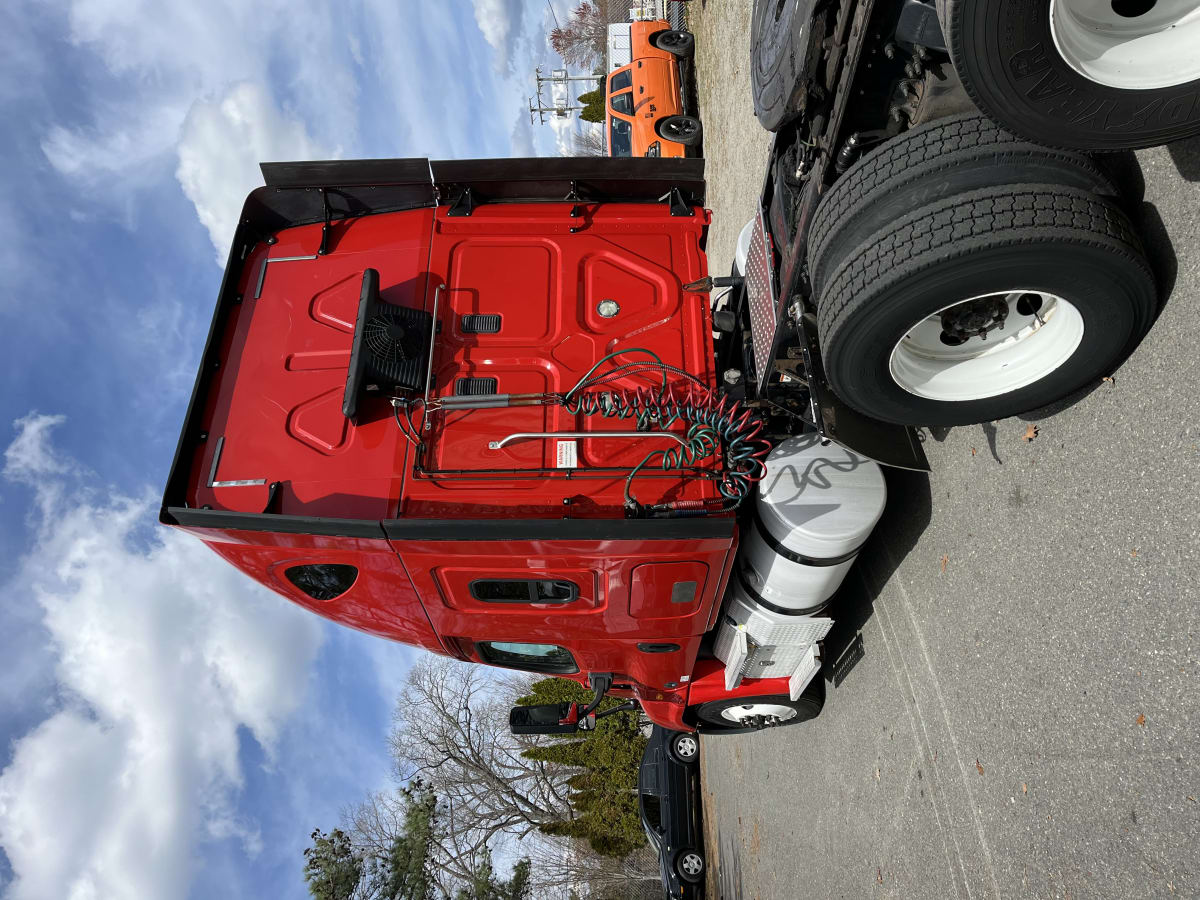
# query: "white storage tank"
816, 507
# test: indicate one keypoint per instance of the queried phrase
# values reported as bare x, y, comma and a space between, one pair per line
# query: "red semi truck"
496, 408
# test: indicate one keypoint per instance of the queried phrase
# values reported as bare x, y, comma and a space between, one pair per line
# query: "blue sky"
167, 728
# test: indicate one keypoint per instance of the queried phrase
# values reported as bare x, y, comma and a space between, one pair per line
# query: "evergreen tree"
604, 794
332, 870
404, 874
593, 105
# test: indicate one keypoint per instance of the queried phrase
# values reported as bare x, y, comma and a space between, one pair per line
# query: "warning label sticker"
567, 455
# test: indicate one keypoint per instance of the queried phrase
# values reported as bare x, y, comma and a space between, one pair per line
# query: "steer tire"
1009, 63
713, 721
929, 163
1003, 241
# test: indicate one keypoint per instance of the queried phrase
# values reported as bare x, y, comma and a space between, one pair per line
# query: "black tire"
685, 747
692, 877
928, 163
782, 54
713, 721
1061, 241
1006, 56
681, 129
677, 43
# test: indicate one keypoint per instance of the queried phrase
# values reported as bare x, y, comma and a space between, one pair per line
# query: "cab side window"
620, 81
549, 658
652, 811
620, 138
623, 103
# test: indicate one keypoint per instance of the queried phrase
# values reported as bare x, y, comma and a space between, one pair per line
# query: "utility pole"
561, 110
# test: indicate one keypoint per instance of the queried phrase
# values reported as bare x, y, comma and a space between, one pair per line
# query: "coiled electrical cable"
712, 419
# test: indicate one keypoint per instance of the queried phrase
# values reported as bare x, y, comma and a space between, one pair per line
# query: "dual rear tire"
1089, 74
1083, 74
963, 275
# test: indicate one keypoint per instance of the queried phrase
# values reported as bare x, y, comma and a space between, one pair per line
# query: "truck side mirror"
547, 718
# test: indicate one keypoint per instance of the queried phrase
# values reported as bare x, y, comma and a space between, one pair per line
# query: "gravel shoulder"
735, 146
1026, 720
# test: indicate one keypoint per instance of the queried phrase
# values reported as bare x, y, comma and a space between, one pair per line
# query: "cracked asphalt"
1026, 719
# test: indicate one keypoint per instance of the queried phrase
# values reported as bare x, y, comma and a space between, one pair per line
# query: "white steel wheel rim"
1028, 349
746, 711
691, 863
1135, 45
686, 746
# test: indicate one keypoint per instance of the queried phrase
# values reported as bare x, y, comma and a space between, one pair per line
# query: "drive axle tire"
1088, 74
928, 163
985, 305
739, 715
784, 35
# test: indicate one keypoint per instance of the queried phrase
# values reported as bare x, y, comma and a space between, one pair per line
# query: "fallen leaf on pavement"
972, 451
1031, 431
979, 766
1141, 720
1024, 788
879, 875
877, 773
1133, 552
945, 559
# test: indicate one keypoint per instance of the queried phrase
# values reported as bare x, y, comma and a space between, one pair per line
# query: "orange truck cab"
645, 108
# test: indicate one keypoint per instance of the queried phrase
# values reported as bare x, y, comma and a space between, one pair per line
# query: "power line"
550, 6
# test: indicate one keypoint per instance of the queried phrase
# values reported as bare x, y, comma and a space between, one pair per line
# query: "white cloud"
163, 653
30, 456
522, 137
223, 142
563, 129
501, 22
173, 74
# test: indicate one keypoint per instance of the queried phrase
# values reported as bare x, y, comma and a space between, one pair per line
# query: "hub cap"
759, 715
1133, 45
986, 346
691, 863
682, 128
686, 746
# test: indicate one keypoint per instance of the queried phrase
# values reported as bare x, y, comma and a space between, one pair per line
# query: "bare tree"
451, 730
588, 142
583, 39
561, 865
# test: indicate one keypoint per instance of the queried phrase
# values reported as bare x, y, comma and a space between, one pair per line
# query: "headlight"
654, 149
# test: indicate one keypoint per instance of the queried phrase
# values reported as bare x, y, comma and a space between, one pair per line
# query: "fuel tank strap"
767, 604
798, 557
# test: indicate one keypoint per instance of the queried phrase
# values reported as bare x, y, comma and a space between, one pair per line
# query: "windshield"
650, 835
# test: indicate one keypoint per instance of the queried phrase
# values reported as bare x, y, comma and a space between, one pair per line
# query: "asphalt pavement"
1026, 718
